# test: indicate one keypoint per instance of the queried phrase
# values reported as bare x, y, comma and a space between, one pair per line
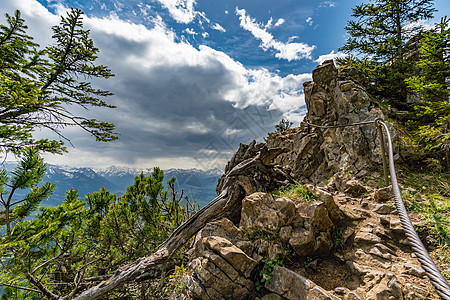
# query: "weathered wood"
250, 175
216, 209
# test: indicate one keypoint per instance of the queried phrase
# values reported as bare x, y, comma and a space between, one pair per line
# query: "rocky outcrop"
334, 97
336, 247
345, 242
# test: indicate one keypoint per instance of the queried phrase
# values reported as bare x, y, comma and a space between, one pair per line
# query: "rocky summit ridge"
337, 238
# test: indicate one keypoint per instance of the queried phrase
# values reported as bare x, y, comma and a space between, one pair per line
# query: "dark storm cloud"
176, 111
177, 105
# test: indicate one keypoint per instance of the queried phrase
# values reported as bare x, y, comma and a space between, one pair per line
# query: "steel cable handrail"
432, 271
339, 126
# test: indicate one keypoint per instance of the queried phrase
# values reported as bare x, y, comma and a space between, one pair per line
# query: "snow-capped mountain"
198, 185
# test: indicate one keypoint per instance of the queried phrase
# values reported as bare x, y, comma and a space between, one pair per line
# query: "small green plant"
414, 206
428, 196
267, 270
440, 221
283, 125
337, 238
296, 191
256, 233
308, 261
391, 204
175, 283
289, 251
443, 257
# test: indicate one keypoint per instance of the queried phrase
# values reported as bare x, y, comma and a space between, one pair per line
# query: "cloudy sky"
194, 78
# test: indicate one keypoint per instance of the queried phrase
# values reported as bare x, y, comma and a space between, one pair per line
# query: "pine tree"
383, 27
432, 81
430, 120
283, 125
64, 249
379, 37
37, 86
28, 174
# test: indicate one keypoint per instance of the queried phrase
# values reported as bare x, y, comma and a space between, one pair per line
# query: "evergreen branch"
41, 287
21, 288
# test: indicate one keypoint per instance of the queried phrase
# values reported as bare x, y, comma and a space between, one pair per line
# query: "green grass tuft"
296, 191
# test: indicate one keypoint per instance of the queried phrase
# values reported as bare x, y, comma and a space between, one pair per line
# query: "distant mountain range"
198, 185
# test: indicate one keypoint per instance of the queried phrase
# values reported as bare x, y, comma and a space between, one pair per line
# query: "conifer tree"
379, 35
432, 81
382, 27
67, 248
430, 120
28, 174
37, 86
283, 125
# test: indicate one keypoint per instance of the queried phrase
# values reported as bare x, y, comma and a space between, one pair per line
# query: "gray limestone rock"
288, 284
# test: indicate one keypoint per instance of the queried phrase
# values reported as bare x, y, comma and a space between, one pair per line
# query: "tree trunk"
234, 186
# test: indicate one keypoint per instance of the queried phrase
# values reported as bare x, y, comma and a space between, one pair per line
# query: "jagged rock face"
316, 155
337, 247
334, 97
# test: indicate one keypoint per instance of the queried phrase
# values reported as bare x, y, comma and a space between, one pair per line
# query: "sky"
194, 78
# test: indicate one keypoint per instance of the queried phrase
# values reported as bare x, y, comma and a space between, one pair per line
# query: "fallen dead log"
252, 174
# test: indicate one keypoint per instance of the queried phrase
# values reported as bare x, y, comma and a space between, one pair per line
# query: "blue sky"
194, 78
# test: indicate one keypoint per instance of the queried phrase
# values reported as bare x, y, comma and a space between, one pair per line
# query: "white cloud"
269, 23
330, 55
259, 86
38, 19
114, 26
279, 22
229, 131
426, 25
190, 31
35, 10
205, 35
327, 4
309, 21
172, 98
181, 11
288, 51
197, 127
226, 12
291, 38
144, 8
243, 87
202, 15
118, 6
218, 27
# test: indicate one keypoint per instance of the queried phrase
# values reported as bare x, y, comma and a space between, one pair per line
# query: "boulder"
383, 194
354, 188
288, 284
